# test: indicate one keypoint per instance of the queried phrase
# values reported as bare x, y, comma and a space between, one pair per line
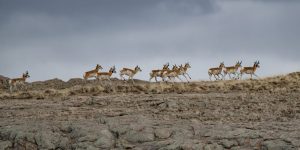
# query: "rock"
163, 133
213, 147
228, 144
5, 145
173, 104
64, 143
90, 147
47, 140
241, 148
106, 140
135, 136
276, 145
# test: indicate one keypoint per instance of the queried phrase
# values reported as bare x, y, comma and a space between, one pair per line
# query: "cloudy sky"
64, 38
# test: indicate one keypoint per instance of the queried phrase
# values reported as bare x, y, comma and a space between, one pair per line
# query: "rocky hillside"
259, 114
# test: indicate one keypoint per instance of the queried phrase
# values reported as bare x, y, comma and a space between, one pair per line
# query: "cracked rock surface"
218, 119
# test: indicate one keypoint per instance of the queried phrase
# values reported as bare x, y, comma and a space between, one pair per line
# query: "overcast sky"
64, 38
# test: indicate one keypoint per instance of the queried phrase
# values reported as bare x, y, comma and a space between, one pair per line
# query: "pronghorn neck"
254, 68
220, 67
185, 68
135, 71
236, 67
111, 71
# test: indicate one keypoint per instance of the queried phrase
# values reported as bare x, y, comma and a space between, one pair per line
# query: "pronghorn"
183, 70
106, 75
18, 81
232, 70
92, 73
250, 70
173, 73
216, 71
129, 72
157, 73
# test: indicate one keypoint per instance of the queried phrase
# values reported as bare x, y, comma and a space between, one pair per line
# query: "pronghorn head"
98, 67
137, 68
187, 65
238, 64
222, 65
174, 67
113, 69
166, 66
26, 75
256, 64
181, 67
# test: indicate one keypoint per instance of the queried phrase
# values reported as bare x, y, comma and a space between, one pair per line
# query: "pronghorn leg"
188, 75
218, 77
122, 77
234, 76
237, 75
155, 79
10, 88
215, 77
251, 76
150, 78
229, 76
222, 76
185, 78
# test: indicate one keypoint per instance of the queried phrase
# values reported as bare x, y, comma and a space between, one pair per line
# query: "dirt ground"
248, 114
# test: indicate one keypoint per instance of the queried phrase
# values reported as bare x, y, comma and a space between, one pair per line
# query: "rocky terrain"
261, 114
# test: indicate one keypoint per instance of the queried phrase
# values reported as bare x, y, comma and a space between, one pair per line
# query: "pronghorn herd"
237, 71
171, 74
166, 74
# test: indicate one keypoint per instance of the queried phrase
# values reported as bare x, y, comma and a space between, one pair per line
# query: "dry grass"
59, 88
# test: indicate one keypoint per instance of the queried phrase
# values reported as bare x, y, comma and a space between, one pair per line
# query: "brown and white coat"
106, 75
216, 71
250, 70
13, 83
129, 72
92, 73
232, 70
158, 73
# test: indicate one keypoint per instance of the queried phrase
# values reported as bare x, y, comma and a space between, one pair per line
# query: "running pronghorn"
183, 70
92, 73
216, 71
129, 72
250, 70
157, 73
106, 75
232, 70
173, 73
13, 83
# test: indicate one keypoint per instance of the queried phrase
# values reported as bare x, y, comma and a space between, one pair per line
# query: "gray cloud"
65, 38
